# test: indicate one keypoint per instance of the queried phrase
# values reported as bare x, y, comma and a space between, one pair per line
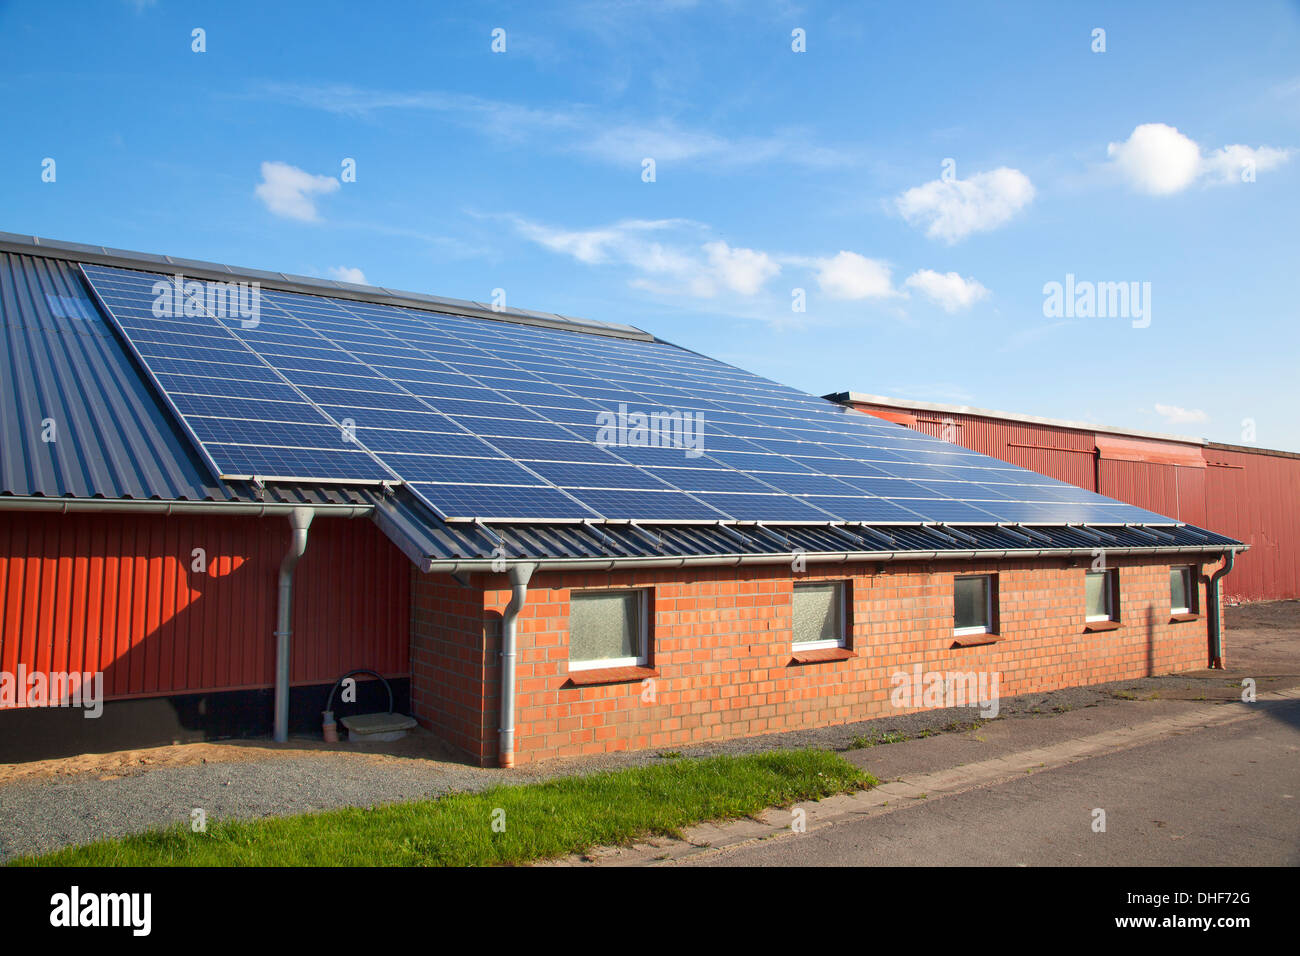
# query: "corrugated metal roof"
116, 441
429, 541
64, 375
113, 437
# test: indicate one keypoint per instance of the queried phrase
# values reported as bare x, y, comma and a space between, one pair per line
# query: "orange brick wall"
721, 646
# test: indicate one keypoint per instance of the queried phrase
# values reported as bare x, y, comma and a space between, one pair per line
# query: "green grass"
875, 740
542, 820
862, 741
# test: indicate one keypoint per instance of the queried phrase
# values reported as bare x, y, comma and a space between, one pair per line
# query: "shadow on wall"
1151, 641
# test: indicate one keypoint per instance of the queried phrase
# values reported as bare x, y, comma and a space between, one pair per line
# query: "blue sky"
920, 172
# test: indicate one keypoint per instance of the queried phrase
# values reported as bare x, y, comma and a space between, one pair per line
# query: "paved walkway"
833, 829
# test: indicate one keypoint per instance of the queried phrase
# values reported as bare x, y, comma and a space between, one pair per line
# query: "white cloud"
665, 261
288, 191
594, 246
1159, 160
670, 257
741, 270
571, 127
852, 276
949, 290
953, 209
1181, 416
1227, 165
349, 274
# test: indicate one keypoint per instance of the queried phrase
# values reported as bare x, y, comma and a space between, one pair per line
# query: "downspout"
300, 521
1216, 623
519, 577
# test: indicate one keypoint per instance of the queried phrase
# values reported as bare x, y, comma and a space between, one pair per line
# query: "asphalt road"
1226, 795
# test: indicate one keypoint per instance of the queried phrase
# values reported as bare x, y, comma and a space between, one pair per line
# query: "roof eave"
469, 565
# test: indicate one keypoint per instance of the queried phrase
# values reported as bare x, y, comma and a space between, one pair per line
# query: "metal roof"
475, 548
65, 376
116, 445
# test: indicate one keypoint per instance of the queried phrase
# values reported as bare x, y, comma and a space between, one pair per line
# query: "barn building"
221, 489
1245, 491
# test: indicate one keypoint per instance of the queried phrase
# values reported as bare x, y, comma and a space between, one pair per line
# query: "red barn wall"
116, 593
1248, 494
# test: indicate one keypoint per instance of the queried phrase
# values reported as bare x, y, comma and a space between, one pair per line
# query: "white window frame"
1186, 570
1109, 587
643, 620
843, 639
988, 606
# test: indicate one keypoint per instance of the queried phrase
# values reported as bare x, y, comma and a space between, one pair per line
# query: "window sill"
821, 655
610, 675
1101, 626
1179, 618
974, 640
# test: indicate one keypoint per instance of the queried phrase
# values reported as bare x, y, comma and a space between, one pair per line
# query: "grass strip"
532, 821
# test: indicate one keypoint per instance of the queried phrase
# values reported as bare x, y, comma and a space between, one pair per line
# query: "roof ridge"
308, 285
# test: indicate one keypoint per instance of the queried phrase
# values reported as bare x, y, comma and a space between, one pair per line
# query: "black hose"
329, 704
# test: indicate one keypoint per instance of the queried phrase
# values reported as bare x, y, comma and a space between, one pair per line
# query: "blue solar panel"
455, 469
770, 507
247, 461
233, 432
495, 420
584, 475
471, 501
650, 505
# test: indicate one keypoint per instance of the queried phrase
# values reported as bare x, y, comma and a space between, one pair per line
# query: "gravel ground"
42, 814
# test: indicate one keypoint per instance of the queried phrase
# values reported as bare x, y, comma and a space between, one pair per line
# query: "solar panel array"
503, 422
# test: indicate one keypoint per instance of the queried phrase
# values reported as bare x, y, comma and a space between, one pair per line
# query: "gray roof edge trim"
382, 513
430, 565
305, 285
158, 506
868, 399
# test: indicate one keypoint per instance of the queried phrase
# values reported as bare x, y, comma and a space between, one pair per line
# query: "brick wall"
453, 690
722, 650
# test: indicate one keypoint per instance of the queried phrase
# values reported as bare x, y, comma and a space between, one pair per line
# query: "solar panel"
499, 421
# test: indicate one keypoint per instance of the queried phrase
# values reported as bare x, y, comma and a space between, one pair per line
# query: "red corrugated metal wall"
116, 593
1256, 498
1248, 495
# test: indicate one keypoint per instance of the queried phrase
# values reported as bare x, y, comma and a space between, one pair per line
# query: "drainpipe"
519, 577
300, 521
1216, 623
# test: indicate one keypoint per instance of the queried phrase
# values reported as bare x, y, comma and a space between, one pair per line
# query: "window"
1181, 595
1101, 589
819, 620
607, 629
973, 605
